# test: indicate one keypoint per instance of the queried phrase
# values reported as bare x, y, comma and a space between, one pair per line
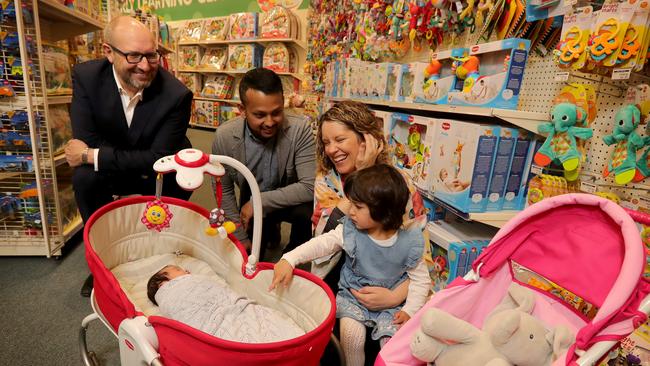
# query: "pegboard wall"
539, 91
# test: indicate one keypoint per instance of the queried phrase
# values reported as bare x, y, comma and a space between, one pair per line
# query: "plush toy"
623, 161
561, 142
510, 336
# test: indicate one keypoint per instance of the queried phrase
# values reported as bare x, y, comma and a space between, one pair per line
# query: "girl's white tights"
353, 338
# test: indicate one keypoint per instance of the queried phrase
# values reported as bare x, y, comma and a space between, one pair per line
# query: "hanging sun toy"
156, 215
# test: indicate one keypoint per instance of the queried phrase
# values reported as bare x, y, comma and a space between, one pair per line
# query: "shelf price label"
537, 170
588, 187
562, 76
621, 74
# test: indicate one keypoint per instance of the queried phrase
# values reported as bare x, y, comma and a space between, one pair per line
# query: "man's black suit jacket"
157, 129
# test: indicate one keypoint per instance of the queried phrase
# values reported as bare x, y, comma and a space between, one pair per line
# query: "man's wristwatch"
84, 156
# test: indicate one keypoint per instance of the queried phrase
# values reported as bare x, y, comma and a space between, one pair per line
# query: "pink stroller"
588, 245
130, 239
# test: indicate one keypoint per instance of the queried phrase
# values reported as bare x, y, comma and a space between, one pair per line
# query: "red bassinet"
115, 235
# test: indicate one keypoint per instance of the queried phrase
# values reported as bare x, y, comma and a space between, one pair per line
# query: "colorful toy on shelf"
605, 41
215, 29
467, 69
279, 58
190, 57
562, 132
278, 22
243, 57
191, 32
431, 74
243, 26
214, 58
623, 160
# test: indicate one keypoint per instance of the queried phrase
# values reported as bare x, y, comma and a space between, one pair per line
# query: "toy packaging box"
499, 78
243, 57
191, 31
191, 80
501, 168
278, 22
227, 112
386, 120
522, 159
16, 163
461, 255
214, 58
190, 57
280, 58
410, 140
410, 81
218, 86
437, 79
462, 159
58, 76
205, 113
243, 26
60, 126
215, 29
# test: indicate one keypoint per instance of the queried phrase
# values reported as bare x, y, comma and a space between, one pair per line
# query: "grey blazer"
295, 149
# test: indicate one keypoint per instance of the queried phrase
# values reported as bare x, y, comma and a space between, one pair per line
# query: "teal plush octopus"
623, 160
562, 132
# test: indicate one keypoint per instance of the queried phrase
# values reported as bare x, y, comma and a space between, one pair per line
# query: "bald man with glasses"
126, 113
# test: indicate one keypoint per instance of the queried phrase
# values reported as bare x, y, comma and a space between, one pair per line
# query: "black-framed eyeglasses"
136, 57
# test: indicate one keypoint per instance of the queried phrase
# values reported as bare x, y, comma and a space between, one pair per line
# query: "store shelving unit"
38, 226
522, 119
232, 101
261, 41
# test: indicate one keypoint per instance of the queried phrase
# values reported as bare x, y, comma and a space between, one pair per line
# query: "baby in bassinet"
211, 307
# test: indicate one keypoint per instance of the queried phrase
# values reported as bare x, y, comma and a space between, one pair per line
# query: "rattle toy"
571, 46
467, 69
431, 74
623, 159
605, 40
562, 132
156, 215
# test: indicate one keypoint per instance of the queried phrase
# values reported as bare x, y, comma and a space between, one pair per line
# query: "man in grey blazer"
279, 149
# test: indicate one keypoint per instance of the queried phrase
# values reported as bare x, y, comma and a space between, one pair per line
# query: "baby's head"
383, 189
167, 273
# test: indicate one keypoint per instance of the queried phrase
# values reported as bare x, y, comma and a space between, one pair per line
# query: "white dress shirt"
128, 104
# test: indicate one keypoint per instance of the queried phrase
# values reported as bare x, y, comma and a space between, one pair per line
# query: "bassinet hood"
587, 244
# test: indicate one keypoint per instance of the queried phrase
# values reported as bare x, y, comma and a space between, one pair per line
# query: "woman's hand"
282, 274
369, 150
344, 205
380, 298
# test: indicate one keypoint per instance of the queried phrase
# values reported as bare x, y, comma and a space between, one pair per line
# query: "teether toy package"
410, 81
280, 58
497, 82
243, 26
214, 58
215, 29
461, 163
571, 51
243, 57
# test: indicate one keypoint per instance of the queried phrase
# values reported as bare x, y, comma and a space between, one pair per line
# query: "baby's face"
172, 271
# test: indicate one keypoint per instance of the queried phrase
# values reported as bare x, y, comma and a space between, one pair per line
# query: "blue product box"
462, 160
501, 169
522, 158
16, 163
501, 73
457, 256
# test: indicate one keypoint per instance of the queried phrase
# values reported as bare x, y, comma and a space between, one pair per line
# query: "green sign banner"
191, 9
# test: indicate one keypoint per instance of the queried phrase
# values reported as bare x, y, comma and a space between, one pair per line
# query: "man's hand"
246, 214
400, 318
369, 150
282, 274
73, 150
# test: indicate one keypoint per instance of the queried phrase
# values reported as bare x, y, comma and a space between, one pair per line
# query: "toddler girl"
378, 252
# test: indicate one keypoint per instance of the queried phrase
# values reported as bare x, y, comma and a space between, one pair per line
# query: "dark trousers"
298, 216
300, 219
93, 190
